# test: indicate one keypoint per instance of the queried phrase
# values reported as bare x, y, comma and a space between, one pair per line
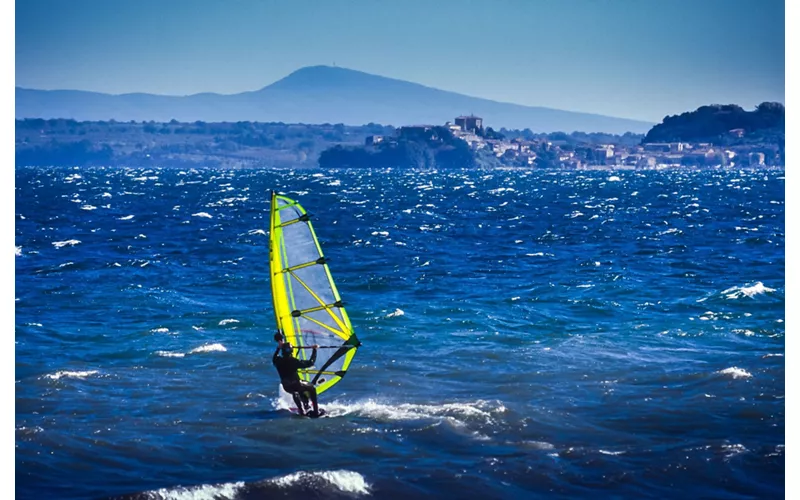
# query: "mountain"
317, 94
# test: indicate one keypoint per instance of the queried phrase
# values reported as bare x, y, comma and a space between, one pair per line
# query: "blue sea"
526, 334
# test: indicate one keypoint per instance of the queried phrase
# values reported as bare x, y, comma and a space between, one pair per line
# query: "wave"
735, 372
455, 413
202, 214
397, 312
127, 217
342, 481
59, 244
228, 321
71, 374
208, 348
170, 354
747, 291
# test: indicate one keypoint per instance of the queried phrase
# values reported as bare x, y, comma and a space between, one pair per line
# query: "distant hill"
723, 124
318, 94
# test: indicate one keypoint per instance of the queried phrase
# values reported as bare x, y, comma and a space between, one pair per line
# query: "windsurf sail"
308, 308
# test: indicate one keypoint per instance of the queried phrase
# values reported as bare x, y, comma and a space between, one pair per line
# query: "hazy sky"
639, 59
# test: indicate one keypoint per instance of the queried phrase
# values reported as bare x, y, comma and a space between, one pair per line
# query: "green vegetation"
421, 147
61, 142
724, 125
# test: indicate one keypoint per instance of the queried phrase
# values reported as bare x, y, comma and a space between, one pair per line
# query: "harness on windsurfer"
287, 366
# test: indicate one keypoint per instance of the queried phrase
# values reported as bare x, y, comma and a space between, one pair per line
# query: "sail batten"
308, 308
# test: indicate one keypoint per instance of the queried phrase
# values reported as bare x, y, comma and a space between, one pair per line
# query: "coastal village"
568, 154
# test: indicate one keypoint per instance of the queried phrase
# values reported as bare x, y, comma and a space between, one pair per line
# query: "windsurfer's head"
286, 349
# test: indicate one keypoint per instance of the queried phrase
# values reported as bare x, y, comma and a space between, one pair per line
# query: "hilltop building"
470, 123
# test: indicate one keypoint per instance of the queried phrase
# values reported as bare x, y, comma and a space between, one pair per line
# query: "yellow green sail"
308, 308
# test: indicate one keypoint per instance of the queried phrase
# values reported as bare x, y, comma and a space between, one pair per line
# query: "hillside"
316, 95
724, 125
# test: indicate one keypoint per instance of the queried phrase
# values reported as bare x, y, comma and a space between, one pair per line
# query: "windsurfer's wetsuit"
287, 366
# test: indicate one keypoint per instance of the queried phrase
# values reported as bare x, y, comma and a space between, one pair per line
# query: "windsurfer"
287, 366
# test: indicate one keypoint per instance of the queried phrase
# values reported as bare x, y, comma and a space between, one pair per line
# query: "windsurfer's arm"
308, 363
275, 356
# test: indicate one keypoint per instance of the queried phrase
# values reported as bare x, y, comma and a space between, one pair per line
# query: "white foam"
397, 312
127, 217
344, 480
202, 214
227, 321
88, 207
450, 412
539, 445
170, 354
257, 231
380, 233
605, 452
747, 291
735, 372
59, 244
160, 330
69, 374
18, 251
208, 348
613, 178
203, 492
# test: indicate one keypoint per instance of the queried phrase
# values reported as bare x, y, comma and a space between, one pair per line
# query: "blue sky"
639, 59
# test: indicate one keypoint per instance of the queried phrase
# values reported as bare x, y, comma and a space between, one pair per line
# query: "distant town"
566, 153
714, 135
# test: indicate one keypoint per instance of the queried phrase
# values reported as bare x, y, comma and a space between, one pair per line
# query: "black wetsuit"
287, 369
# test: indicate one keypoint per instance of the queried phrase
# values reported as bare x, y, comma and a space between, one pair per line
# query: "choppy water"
527, 334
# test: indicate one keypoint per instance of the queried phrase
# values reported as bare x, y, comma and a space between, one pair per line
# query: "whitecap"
397, 312
70, 374
613, 178
453, 413
605, 452
18, 251
59, 244
227, 321
257, 231
127, 217
88, 207
160, 330
170, 354
745, 291
344, 480
202, 214
735, 372
208, 348
202, 492
380, 233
